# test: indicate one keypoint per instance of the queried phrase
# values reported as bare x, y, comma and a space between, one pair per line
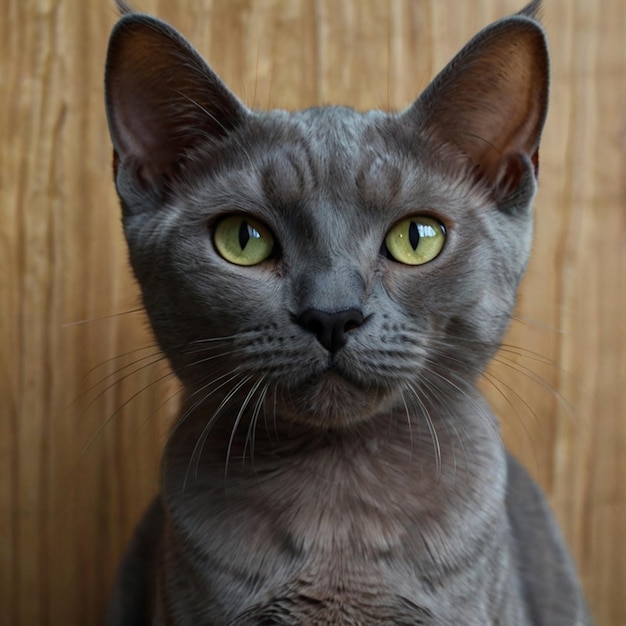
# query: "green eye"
243, 240
416, 240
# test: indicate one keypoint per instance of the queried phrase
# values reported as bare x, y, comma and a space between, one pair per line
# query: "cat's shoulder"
546, 575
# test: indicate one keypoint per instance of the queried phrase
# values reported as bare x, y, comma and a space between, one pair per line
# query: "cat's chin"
331, 401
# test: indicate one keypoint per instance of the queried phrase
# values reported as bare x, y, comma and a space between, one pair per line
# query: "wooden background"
84, 400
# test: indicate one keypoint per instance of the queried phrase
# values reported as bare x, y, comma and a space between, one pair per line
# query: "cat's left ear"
490, 103
162, 100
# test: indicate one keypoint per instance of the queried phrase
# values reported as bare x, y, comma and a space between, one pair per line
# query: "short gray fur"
360, 479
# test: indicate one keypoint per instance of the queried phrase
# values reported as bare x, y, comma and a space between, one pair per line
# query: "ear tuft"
532, 10
124, 8
162, 99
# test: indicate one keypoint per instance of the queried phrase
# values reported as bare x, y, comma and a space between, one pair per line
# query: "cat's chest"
336, 535
329, 548
339, 596
336, 585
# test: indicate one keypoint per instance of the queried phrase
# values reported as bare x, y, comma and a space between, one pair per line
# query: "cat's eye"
415, 240
243, 240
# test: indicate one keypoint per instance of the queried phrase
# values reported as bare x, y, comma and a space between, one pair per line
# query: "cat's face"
327, 264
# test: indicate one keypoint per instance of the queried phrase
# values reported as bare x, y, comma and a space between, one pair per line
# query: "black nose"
331, 328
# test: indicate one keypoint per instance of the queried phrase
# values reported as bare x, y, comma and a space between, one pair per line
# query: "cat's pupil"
414, 235
244, 234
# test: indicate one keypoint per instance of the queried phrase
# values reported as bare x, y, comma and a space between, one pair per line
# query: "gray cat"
328, 286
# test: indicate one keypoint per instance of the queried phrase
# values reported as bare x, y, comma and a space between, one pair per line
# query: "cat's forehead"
337, 137
339, 155
337, 127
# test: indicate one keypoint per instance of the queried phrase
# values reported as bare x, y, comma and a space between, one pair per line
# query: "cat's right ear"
490, 103
162, 99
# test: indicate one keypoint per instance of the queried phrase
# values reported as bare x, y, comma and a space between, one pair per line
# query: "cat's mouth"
331, 398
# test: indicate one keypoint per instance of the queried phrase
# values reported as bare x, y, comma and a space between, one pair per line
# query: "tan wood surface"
85, 399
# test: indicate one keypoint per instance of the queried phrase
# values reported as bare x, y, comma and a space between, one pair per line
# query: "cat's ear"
162, 99
489, 104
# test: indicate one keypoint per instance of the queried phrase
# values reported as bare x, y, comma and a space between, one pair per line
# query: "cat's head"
328, 263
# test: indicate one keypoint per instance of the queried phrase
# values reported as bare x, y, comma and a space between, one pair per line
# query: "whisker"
210, 340
522, 369
253, 422
188, 412
85, 393
212, 357
101, 318
408, 420
502, 357
490, 379
157, 357
526, 353
472, 400
196, 454
242, 408
442, 400
431, 428
117, 411
156, 354
522, 319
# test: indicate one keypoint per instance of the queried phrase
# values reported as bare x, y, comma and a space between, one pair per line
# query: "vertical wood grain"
85, 399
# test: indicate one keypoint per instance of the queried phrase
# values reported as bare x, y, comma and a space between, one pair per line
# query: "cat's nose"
331, 328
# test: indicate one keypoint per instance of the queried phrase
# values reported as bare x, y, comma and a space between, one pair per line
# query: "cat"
328, 286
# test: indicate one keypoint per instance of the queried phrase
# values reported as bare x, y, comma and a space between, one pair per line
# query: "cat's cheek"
414, 289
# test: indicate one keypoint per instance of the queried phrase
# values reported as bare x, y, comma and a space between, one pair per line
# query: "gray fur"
368, 485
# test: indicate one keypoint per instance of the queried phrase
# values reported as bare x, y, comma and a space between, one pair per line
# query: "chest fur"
336, 546
343, 588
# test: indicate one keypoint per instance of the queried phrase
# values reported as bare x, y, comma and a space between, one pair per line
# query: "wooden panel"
85, 398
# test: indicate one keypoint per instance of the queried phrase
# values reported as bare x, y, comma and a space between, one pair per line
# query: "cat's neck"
393, 486
438, 463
